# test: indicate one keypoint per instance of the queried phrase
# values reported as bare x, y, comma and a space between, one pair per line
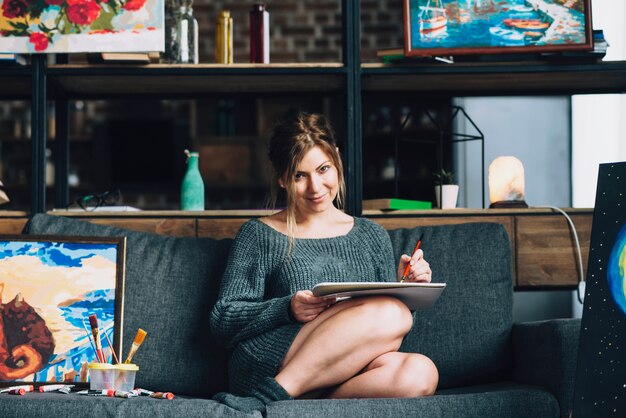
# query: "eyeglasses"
92, 202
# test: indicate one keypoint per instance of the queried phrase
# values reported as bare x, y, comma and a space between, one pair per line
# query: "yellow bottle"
224, 38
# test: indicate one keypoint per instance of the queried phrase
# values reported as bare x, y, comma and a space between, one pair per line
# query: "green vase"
192, 189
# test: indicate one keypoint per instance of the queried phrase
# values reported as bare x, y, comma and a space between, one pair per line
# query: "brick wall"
302, 31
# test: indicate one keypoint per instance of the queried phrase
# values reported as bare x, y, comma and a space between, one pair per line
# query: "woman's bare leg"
392, 375
342, 341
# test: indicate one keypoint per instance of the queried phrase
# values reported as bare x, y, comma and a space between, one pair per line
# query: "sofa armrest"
545, 354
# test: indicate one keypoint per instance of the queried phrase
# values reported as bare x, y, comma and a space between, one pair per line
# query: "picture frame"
465, 27
62, 26
49, 286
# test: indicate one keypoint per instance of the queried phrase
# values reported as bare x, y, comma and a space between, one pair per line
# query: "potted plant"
446, 186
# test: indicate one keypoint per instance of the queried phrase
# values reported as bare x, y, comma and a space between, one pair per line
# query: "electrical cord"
581, 281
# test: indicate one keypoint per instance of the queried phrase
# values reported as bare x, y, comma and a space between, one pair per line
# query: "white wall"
536, 130
599, 121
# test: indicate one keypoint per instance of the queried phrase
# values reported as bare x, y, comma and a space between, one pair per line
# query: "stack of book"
396, 204
12, 59
396, 56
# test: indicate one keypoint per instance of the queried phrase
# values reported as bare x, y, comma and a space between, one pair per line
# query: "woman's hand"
419, 271
305, 307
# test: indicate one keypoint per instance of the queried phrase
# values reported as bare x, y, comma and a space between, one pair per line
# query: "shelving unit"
349, 80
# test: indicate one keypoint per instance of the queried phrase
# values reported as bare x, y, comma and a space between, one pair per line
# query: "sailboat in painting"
432, 18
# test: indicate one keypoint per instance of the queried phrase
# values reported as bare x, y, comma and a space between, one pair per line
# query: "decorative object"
224, 38
259, 34
62, 26
445, 132
4, 198
49, 286
456, 27
599, 386
181, 33
506, 183
446, 190
192, 190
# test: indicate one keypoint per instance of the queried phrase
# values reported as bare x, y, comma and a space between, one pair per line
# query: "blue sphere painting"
616, 267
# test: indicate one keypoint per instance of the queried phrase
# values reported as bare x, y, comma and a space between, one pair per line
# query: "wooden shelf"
104, 81
487, 79
542, 245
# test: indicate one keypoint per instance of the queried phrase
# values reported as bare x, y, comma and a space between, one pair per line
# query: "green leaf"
104, 21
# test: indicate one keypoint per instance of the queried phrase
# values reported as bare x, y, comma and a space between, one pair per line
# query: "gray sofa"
489, 366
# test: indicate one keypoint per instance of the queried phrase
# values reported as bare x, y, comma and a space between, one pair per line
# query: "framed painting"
457, 27
64, 26
49, 287
600, 385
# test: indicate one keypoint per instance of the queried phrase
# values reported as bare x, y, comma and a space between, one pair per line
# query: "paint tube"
52, 388
125, 394
66, 390
162, 395
27, 388
20, 391
144, 392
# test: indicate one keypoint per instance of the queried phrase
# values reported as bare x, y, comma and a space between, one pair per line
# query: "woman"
286, 343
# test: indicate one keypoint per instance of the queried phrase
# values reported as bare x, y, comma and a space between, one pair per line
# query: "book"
396, 56
12, 59
396, 204
119, 58
414, 295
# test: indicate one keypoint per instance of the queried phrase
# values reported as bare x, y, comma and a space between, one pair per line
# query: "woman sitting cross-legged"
286, 343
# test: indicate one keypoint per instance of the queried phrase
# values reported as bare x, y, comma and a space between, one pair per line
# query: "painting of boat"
451, 27
527, 24
432, 18
502, 36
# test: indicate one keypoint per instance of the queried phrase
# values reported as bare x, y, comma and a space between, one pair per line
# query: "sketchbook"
414, 295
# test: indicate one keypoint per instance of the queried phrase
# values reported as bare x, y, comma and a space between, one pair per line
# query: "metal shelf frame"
350, 79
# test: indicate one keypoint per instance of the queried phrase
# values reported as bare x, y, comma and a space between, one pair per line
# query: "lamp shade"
506, 183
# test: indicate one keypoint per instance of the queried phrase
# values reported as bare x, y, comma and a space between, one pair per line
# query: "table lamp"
506, 183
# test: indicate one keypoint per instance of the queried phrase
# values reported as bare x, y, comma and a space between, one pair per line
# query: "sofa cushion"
467, 332
511, 401
170, 287
37, 405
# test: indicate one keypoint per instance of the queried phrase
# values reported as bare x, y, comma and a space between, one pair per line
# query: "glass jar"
181, 33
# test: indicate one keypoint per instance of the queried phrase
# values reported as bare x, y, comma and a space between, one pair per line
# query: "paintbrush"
139, 337
89, 339
93, 321
111, 347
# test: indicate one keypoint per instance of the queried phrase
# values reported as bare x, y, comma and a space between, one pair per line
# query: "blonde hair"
290, 141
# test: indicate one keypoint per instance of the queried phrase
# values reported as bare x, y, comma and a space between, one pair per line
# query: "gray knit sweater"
252, 316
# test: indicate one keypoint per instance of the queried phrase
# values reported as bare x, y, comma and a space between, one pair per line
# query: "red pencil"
408, 265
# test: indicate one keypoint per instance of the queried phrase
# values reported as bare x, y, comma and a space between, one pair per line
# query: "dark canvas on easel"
600, 389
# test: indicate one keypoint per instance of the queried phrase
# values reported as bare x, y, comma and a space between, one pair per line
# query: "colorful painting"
62, 26
452, 27
49, 286
600, 389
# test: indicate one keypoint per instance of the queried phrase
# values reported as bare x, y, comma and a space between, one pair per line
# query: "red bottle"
259, 34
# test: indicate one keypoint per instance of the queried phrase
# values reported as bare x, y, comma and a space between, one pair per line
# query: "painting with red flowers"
61, 26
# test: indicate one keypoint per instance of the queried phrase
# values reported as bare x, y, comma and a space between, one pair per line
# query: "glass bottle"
224, 38
188, 30
259, 34
172, 37
192, 189
181, 33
